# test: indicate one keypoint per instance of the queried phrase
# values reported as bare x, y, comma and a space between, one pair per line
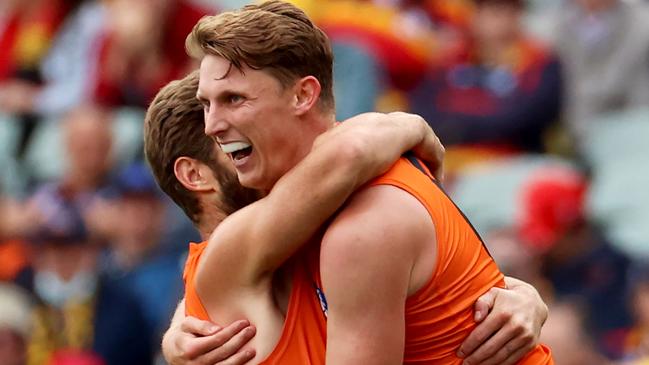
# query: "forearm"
167, 345
301, 201
341, 160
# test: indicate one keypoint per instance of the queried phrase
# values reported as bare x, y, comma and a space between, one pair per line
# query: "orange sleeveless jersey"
303, 337
440, 315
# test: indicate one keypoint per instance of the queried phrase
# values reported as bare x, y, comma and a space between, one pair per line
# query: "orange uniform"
438, 317
303, 337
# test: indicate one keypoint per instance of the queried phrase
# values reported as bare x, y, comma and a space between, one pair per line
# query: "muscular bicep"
367, 257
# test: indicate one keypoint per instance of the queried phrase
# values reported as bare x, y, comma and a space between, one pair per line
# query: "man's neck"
210, 219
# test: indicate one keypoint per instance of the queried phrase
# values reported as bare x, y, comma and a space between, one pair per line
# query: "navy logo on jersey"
322, 299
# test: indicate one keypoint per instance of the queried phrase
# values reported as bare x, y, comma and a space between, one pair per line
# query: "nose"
215, 125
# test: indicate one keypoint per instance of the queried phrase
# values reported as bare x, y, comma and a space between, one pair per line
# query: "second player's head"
266, 86
188, 165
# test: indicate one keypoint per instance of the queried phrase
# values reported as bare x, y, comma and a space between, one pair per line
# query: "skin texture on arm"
366, 297
241, 254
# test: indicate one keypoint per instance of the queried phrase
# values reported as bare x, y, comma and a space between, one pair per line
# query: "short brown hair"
174, 127
275, 36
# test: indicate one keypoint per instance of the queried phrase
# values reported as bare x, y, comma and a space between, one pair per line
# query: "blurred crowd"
543, 107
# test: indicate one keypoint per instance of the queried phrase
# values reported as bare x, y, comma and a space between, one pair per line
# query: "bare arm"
366, 297
250, 244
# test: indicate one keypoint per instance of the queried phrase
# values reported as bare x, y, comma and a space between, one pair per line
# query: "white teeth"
234, 146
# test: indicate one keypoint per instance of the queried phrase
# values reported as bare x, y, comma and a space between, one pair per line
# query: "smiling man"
399, 242
196, 175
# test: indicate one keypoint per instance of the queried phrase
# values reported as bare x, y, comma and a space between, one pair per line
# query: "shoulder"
378, 221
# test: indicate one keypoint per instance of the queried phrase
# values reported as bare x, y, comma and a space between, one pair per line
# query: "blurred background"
543, 106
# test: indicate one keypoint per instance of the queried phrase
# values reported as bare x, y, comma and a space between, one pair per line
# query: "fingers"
478, 337
440, 151
239, 358
494, 345
431, 152
194, 347
232, 346
198, 327
484, 304
516, 356
510, 354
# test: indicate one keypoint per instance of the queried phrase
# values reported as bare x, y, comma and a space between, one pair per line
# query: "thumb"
484, 304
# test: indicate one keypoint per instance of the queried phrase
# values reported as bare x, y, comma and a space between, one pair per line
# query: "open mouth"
237, 150
241, 154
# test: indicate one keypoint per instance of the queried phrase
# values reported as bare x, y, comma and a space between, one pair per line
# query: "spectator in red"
143, 49
26, 32
577, 258
499, 94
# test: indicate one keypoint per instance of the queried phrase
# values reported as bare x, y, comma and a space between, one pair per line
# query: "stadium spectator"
143, 49
381, 51
497, 96
604, 46
113, 53
88, 143
26, 32
578, 260
79, 314
27, 29
71, 64
136, 257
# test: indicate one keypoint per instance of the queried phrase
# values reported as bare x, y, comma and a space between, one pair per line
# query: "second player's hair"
174, 127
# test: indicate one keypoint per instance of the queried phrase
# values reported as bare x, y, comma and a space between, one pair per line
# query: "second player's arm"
249, 245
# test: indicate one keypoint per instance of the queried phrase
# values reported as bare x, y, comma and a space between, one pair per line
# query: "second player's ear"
307, 94
189, 173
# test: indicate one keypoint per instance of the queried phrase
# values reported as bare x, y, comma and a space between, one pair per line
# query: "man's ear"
188, 171
307, 94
